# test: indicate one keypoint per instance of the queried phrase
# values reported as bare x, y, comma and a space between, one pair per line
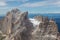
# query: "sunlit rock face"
7, 23
17, 26
35, 25
39, 18
46, 30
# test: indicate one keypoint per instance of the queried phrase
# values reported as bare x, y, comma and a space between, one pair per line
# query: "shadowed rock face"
14, 11
14, 23
17, 26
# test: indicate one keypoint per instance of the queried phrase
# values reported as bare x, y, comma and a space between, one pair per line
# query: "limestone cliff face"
1, 23
39, 18
48, 30
17, 26
7, 23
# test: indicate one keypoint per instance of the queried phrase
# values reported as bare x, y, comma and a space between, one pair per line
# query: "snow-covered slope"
35, 25
34, 21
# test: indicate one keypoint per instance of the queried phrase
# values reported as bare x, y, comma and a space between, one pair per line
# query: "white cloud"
23, 0
57, 3
3, 3
15, 0
37, 4
43, 3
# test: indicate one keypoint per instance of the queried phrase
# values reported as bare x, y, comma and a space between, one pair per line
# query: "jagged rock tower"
47, 29
17, 26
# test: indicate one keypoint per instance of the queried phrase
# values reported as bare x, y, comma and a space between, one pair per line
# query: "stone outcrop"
39, 18
17, 26
48, 30
7, 23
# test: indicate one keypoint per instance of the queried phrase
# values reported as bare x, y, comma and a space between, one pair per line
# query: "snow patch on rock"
53, 36
34, 21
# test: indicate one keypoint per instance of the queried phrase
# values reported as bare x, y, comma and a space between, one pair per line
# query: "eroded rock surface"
17, 26
47, 30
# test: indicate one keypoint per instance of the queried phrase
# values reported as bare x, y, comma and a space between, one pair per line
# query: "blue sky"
32, 6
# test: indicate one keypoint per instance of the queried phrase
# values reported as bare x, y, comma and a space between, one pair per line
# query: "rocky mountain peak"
24, 15
15, 10
17, 26
52, 20
39, 18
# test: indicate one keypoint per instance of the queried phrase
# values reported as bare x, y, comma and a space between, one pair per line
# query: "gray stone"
17, 26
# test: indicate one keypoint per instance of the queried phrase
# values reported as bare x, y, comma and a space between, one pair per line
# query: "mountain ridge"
16, 25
